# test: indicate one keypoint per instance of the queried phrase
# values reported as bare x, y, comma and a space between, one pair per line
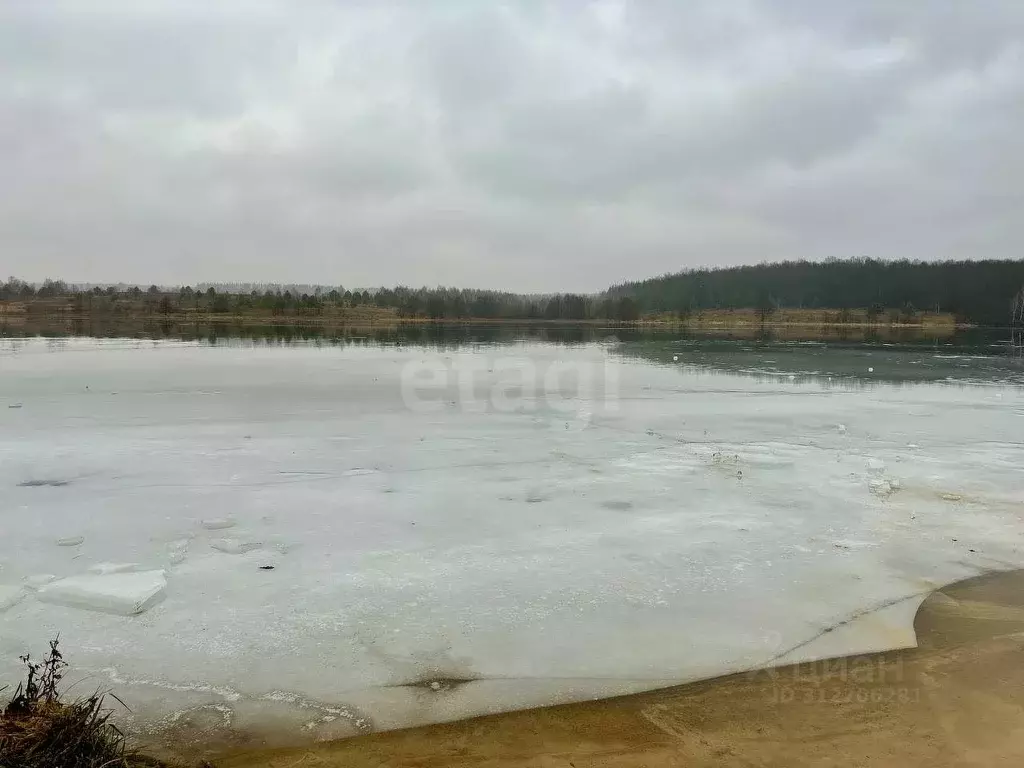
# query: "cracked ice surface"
459, 557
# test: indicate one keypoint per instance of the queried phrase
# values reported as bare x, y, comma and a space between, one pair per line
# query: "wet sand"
955, 700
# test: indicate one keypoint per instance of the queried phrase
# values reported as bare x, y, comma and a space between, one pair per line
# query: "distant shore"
16, 314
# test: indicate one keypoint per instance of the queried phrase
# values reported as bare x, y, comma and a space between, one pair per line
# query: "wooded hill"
974, 291
979, 292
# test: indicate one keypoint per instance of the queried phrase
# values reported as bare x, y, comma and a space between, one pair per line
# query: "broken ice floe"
125, 594
884, 486
235, 546
177, 551
218, 523
105, 569
10, 596
38, 580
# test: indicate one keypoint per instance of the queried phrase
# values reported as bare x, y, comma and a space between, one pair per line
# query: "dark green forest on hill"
979, 292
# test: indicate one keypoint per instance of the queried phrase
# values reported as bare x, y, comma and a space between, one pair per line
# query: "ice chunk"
357, 472
842, 429
218, 523
125, 594
876, 465
70, 541
235, 546
10, 596
38, 580
888, 627
880, 487
178, 551
103, 569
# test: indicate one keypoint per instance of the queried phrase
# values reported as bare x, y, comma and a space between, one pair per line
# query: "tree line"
435, 303
975, 291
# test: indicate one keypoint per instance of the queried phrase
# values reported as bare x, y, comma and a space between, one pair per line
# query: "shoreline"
718, 326
374, 320
955, 699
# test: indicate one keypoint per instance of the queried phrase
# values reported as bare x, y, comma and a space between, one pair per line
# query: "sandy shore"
956, 700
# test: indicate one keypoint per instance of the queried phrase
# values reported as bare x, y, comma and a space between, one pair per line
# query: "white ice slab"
126, 594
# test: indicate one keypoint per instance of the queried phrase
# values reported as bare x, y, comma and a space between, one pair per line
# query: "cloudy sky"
525, 145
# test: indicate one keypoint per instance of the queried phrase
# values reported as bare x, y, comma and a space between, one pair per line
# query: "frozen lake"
464, 528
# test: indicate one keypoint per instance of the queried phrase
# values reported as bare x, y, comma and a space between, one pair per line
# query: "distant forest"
980, 292
977, 291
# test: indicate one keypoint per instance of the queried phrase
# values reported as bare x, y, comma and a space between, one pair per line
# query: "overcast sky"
559, 145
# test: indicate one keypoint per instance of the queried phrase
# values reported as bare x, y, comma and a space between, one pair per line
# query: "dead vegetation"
39, 728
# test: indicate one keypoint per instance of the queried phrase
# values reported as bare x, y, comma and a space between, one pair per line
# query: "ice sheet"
499, 548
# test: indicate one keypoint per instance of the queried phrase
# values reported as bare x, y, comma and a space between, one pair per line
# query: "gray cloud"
534, 146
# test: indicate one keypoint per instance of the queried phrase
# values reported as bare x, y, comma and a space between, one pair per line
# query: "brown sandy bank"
956, 700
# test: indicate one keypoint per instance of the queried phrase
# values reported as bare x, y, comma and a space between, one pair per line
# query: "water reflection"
967, 360
824, 355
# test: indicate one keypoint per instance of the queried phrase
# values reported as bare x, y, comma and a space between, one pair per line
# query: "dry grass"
39, 729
